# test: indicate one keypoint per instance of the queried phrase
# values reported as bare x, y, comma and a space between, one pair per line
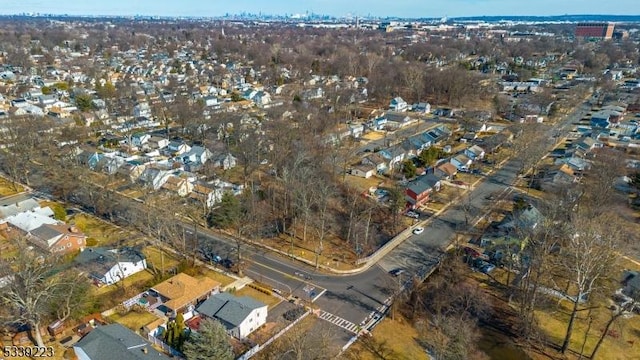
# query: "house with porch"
446, 171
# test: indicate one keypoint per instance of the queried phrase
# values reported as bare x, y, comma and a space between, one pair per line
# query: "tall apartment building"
595, 30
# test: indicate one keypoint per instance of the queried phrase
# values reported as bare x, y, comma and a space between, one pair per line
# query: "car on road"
396, 272
419, 230
227, 263
412, 214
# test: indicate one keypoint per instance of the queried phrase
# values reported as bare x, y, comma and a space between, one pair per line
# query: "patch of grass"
223, 279
396, 338
6, 188
134, 320
618, 344
269, 300
103, 232
158, 258
59, 211
363, 184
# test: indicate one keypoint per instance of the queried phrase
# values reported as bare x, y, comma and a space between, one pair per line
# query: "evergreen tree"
210, 342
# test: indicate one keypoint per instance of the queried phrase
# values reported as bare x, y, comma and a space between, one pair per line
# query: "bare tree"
31, 288
586, 259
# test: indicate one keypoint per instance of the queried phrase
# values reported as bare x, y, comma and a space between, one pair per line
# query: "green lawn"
134, 320
103, 232
156, 259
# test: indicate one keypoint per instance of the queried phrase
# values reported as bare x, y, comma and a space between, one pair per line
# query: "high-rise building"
595, 30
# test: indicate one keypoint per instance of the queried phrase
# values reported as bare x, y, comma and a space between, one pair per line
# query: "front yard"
102, 232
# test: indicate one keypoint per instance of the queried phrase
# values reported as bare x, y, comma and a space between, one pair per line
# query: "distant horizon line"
299, 15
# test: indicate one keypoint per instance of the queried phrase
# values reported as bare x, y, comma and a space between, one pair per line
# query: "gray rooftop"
16, 204
99, 260
229, 309
115, 341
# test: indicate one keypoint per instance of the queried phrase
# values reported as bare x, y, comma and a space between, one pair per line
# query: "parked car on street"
412, 214
419, 230
396, 272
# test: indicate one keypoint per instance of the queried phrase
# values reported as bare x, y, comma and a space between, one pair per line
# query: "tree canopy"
209, 342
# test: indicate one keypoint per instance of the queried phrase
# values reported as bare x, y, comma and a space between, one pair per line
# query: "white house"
474, 152
142, 110
239, 315
398, 104
365, 171
108, 266
461, 161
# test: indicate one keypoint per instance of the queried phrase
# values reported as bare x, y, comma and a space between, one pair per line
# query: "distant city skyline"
397, 8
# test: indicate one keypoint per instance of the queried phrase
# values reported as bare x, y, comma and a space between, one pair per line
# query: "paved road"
355, 298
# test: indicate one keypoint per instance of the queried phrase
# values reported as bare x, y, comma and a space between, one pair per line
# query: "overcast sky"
402, 8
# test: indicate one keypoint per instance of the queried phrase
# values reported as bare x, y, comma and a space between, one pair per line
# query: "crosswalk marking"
336, 320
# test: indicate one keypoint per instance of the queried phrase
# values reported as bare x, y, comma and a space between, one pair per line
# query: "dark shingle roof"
230, 310
115, 341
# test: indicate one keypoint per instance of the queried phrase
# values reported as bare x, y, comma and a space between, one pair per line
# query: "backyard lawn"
134, 320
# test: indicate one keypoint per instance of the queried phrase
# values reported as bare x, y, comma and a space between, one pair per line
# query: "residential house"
418, 191
461, 162
527, 217
423, 108
12, 205
132, 170
586, 144
115, 341
557, 176
177, 147
109, 164
27, 221
211, 101
631, 282
154, 178
58, 238
108, 266
378, 123
239, 315
140, 139
225, 161
398, 104
416, 143
446, 171
178, 185
396, 119
394, 156
577, 164
197, 155
376, 160
142, 110
601, 119
204, 193
181, 293
474, 153
157, 143
364, 171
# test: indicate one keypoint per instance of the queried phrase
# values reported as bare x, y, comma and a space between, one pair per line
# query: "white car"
419, 230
